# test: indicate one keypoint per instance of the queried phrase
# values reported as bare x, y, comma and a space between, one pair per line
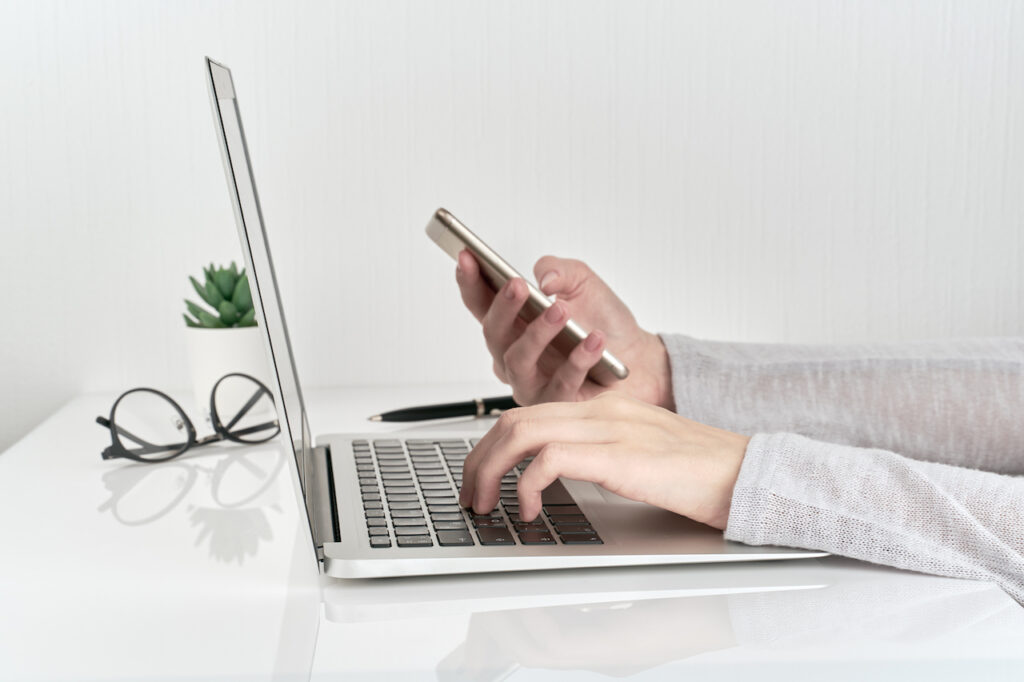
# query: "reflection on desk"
623, 622
230, 509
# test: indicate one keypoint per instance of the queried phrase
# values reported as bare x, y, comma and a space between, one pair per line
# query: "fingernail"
548, 279
510, 291
593, 342
554, 314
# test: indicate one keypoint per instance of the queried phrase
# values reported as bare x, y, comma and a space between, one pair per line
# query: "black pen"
478, 407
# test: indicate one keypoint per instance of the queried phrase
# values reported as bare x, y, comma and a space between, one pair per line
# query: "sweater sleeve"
831, 480
956, 402
877, 506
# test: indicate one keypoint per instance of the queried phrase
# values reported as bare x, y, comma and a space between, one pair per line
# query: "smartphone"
452, 236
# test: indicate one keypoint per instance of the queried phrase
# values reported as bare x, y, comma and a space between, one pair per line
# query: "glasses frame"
117, 450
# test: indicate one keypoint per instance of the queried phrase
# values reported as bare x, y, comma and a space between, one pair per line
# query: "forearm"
956, 402
877, 506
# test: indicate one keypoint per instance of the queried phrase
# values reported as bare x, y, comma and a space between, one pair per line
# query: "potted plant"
223, 338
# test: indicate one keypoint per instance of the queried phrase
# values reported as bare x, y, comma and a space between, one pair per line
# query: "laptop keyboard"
410, 498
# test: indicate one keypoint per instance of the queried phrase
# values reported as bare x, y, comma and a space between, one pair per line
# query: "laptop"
388, 506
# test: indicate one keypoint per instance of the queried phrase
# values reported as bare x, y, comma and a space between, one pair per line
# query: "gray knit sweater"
905, 455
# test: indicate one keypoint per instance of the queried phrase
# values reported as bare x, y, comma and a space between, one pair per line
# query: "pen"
478, 407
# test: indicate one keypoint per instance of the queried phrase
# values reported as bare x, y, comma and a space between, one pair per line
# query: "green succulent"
226, 290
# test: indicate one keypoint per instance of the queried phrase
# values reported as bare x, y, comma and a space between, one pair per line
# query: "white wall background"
789, 171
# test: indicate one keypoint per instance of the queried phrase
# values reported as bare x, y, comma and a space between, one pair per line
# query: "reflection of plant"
234, 533
226, 290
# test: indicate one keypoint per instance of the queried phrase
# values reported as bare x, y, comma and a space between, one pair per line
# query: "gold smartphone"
452, 236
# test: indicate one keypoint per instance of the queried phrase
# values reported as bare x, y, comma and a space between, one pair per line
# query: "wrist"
731, 461
658, 371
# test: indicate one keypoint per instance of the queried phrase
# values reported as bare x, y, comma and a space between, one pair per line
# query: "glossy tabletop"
201, 568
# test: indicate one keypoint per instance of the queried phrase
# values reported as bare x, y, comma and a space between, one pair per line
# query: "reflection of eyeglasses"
152, 421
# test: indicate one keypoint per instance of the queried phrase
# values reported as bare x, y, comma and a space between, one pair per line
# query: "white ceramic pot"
216, 352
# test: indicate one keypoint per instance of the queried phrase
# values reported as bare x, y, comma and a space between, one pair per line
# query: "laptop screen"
256, 252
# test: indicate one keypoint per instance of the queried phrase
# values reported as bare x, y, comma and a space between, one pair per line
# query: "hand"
630, 447
539, 373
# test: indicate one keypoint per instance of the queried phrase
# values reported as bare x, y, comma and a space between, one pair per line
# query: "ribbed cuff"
687, 365
750, 519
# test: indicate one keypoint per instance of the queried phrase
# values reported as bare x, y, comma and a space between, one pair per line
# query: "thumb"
561, 275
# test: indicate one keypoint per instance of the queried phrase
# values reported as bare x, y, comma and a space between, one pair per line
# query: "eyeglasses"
147, 425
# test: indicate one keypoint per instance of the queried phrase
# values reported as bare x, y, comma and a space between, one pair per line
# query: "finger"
476, 293
562, 275
521, 357
579, 461
499, 323
523, 440
566, 382
505, 423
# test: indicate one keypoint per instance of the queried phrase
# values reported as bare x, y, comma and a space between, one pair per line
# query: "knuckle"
519, 429
508, 419
550, 456
579, 360
512, 359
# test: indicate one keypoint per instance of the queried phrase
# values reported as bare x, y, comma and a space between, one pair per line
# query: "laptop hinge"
320, 501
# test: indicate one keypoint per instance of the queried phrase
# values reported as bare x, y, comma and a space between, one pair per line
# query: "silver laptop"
387, 506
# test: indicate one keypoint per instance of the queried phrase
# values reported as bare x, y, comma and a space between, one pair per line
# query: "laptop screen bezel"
249, 214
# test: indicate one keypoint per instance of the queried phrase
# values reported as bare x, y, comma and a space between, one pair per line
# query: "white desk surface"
200, 569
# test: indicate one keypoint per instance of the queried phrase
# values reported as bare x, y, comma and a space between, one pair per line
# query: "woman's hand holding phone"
539, 373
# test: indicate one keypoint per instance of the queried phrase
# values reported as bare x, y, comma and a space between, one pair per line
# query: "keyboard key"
561, 509
446, 516
412, 530
568, 519
581, 539
449, 525
454, 538
380, 541
434, 507
372, 505
374, 513
436, 486
433, 479
415, 541
393, 505
536, 537
371, 497
440, 496
413, 521
485, 522
516, 518
376, 522
379, 531
390, 490
574, 530
368, 488
402, 497
411, 513
537, 525
495, 536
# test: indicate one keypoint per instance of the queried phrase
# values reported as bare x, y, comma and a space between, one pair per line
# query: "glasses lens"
243, 409
149, 426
